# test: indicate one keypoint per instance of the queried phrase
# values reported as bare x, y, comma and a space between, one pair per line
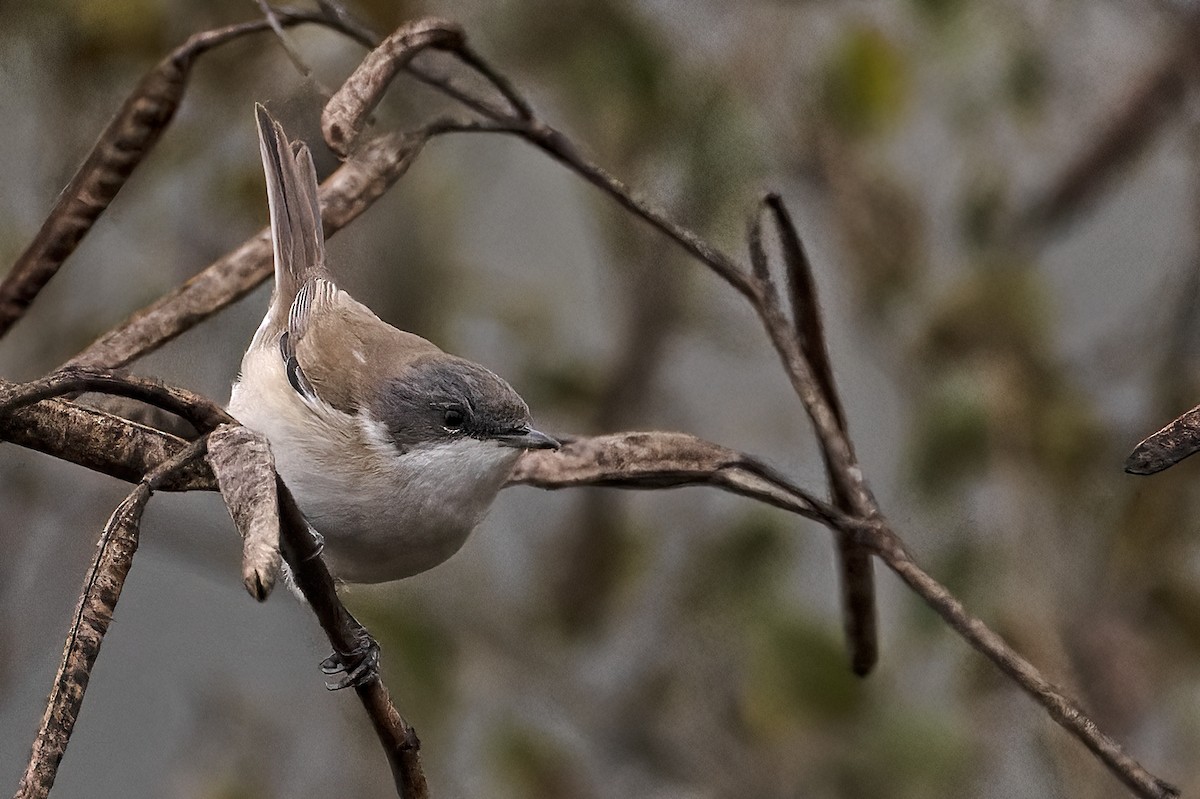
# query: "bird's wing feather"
314, 298
338, 352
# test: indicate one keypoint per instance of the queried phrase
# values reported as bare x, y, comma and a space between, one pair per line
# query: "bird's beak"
527, 438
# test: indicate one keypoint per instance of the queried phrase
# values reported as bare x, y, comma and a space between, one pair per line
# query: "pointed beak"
527, 438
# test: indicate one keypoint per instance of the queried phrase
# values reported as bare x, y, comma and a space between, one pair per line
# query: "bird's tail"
296, 232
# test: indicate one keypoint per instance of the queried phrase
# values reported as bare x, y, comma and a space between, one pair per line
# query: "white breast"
384, 515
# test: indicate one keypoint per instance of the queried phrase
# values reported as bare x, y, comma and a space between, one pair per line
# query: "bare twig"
519, 106
101, 442
343, 118
560, 148
350, 24
801, 347
98, 599
285, 41
1065, 712
122, 146
449, 87
398, 738
201, 412
847, 485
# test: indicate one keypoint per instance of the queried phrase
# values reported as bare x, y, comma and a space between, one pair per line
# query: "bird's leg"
359, 666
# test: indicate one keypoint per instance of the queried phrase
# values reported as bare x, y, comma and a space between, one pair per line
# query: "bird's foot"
357, 667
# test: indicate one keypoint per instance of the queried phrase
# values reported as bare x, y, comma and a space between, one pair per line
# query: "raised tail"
296, 231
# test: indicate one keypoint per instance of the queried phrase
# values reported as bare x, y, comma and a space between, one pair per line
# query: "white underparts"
384, 514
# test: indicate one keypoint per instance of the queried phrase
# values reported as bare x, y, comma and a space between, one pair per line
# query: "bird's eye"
454, 418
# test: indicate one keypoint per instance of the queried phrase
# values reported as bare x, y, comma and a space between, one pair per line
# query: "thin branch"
560, 148
1063, 710
519, 105
121, 147
806, 309
526, 124
98, 599
201, 412
847, 485
447, 86
101, 442
350, 25
343, 118
801, 347
284, 40
398, 738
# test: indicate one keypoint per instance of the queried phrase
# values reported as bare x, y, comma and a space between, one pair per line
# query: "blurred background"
1000, 200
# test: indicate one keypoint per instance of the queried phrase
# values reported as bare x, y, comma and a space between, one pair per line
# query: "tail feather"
296, 232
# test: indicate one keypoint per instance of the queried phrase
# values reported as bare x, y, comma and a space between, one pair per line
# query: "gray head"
441, 398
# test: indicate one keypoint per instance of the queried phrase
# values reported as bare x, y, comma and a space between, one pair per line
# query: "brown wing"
339, 352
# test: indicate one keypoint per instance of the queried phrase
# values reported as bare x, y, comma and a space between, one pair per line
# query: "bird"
393, 448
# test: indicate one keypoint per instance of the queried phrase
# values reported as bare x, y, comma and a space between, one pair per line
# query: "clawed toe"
358, 667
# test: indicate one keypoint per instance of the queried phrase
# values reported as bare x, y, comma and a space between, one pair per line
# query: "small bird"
393, 448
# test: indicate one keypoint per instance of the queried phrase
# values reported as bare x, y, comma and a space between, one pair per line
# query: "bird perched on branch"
393, 448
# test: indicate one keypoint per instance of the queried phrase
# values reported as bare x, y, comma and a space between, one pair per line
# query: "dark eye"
454, 418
